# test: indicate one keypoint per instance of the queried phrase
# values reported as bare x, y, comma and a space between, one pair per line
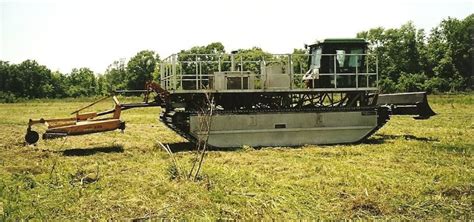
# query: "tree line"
409, 60
29, 79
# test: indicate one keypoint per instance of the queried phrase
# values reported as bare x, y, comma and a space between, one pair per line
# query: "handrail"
177, 69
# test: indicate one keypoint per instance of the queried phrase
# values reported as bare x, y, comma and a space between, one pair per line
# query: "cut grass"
408, 170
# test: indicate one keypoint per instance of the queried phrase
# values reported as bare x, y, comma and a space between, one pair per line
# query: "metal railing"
191, 72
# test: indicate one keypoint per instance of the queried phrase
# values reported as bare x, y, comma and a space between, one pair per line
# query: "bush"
411, 82
436, 85
387, 85
457, 84
8, 97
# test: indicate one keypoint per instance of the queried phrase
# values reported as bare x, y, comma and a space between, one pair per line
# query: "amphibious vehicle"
329, 95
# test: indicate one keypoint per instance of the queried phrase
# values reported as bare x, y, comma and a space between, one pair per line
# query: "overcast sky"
67, 34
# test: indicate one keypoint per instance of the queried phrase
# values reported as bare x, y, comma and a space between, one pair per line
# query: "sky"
71, 34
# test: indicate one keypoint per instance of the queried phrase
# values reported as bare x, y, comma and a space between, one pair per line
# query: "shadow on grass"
376, 139
382, 138
92, 151
188, 146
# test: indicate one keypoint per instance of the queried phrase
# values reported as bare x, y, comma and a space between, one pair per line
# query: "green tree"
441, 62
300, 65
212, 48
300, 60
5, 76
31, 80
212, 52
254, 54
140, 68
115, 77
102, 86
450, 52
81, 82
398, 50
59, 83
6, 85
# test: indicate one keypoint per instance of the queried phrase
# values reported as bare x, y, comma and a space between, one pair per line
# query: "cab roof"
340, 41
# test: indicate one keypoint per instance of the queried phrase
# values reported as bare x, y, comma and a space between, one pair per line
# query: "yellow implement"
84, 123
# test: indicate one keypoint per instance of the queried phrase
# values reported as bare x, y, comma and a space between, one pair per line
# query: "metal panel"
300, 128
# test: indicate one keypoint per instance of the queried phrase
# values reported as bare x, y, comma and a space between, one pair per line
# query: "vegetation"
31, 80
409, 60
409, 170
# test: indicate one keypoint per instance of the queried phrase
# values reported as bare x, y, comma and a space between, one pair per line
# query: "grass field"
410, 169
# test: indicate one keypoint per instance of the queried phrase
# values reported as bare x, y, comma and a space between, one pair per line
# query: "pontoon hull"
286, 128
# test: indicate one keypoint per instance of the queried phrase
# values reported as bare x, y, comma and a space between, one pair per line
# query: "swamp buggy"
327, 96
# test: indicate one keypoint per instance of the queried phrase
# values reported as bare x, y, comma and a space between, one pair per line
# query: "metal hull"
286, 128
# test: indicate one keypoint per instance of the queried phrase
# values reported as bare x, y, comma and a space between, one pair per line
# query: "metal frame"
174, 72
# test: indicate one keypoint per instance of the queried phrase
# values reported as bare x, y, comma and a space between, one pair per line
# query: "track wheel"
31, 137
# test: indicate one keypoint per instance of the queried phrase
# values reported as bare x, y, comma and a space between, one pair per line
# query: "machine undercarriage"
277, 118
